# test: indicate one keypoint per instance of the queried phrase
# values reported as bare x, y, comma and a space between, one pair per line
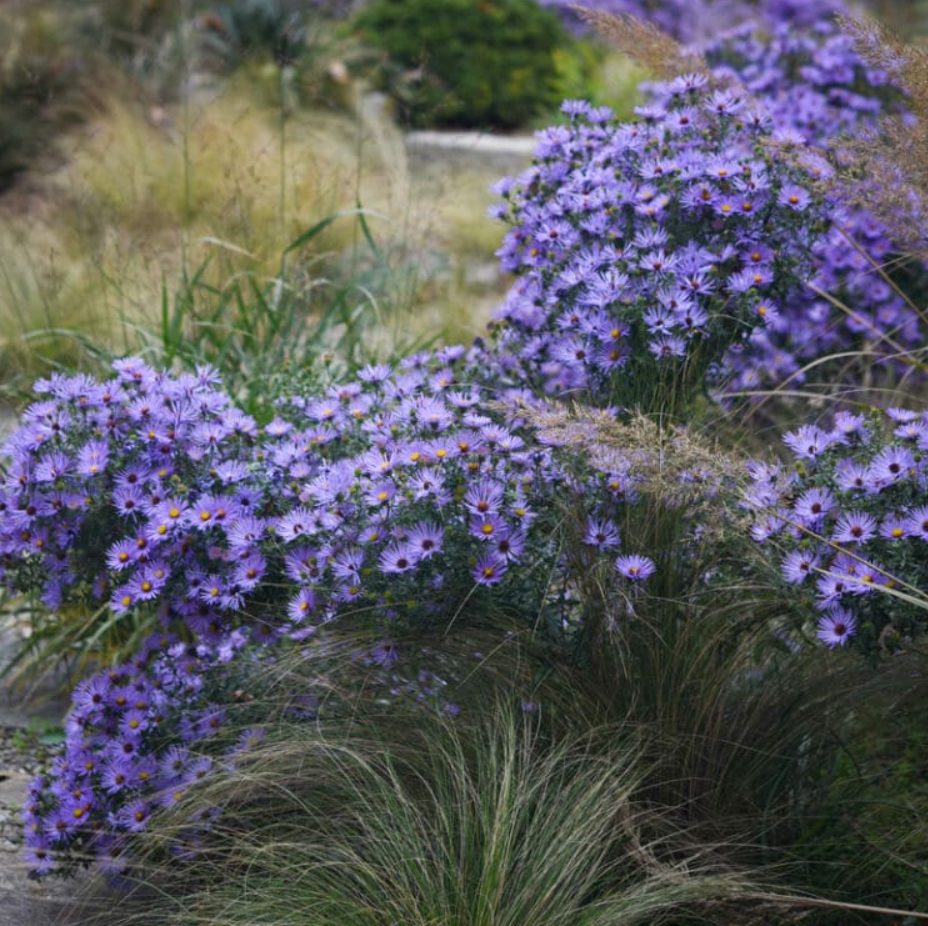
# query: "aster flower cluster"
138, 738
136, 491
849, 524
380, 499
696, 21
818, 87
646, 250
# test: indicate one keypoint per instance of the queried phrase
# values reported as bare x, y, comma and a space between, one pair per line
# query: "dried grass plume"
644, 43
888, 166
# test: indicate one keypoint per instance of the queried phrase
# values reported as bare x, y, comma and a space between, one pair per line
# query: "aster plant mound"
817, 86
385, 502
139, 736
153, 494
848, 523
646, 251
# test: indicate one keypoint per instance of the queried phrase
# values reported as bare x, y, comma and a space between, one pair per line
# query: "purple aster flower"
890, 465
426, 538
487, 528
510, 545
116, 775
916, 524
794, 197
854, 527
812, 506
836, 627
301, 522
489, 569
832, 586
635, 567
851, 476
92, 694
134, 816
667, 346
895, 526
808, 442
601, 534
40, 857
398, 558
798, 565
902, 415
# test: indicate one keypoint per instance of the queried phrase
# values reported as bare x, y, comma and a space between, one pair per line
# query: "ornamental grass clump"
848, 523
432, 824
646, 251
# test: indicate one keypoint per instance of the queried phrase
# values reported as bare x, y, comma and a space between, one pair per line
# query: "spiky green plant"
429, 823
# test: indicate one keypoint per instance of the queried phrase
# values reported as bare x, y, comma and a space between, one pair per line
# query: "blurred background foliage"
144, 143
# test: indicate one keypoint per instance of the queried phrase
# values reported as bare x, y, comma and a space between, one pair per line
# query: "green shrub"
472, 62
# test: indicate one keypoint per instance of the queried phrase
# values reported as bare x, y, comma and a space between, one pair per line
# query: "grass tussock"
436, 826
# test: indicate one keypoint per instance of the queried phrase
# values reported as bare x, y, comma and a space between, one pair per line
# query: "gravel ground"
24, 902
18, 763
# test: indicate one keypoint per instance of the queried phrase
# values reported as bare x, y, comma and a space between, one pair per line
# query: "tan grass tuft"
645, 43
673, 466
895, 155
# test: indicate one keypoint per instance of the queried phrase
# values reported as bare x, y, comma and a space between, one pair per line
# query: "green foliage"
473, 62
266, 28
428, 823
864, 837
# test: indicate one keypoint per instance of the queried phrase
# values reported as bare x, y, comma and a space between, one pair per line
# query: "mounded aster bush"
817, 86
646, 251
384, 502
